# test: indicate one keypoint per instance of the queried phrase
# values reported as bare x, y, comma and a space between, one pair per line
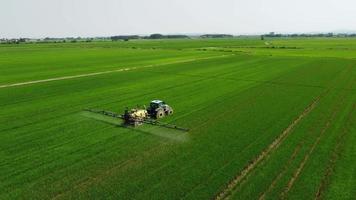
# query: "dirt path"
230, 187
106, 72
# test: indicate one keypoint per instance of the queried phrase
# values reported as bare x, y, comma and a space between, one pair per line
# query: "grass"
235, 106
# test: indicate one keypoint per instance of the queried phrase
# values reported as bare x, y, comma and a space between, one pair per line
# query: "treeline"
160, 36
216, 36
67, 39
272, 34
152, 36
14, 41
46, 40
112, 38
124, 37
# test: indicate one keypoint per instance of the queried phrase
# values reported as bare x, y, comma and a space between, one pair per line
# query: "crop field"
271, 119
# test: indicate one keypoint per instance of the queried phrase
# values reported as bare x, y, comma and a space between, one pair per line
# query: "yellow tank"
135, 116
138, 113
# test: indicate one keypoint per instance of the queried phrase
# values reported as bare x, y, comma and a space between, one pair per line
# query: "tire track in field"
286, 167
275, 144
244, 149
108, 72
280, 175
252, 165
314, 145
335, 155
302, 164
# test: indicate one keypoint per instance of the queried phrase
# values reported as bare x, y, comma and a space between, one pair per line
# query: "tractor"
159, 109
138, 116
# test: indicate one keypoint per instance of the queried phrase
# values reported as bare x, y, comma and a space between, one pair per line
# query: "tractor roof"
156, 101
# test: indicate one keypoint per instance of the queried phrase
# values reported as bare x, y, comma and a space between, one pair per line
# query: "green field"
272, 119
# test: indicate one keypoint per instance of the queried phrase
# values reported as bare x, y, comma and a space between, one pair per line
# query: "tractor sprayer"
138, 116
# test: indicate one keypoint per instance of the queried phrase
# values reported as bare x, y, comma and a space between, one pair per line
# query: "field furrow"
264, 123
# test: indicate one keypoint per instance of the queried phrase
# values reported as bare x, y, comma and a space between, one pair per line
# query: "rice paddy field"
271, 119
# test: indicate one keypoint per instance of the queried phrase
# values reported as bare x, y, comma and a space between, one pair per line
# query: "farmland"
272, 119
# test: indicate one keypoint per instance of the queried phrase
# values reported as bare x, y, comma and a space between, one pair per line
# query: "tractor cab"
159, 109
156, 104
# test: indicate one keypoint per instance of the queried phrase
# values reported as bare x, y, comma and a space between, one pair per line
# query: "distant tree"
176, 36
329, 34
156, 36
22, 40
216, 36
124, 37
262, 37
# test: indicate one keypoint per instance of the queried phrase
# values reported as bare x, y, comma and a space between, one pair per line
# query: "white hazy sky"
59, 18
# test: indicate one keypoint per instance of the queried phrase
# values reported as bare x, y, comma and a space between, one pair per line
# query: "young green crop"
235, 104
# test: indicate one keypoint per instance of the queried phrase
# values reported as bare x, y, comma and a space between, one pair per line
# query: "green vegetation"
268, 119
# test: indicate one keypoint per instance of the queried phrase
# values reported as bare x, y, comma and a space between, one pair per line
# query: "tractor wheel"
170, 112
159, 114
